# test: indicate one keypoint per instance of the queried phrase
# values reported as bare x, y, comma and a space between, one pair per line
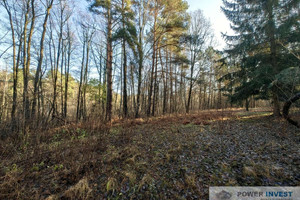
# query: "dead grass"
80, 190
169, 157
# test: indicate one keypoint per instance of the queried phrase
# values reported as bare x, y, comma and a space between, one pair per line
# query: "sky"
212, 10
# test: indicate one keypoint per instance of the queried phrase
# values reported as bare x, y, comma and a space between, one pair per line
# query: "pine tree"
128, 35
259, 25
169, 19
105, 7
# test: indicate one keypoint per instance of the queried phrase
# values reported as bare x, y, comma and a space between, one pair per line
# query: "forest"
133, 99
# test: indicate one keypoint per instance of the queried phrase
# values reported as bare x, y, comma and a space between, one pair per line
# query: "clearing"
171, 157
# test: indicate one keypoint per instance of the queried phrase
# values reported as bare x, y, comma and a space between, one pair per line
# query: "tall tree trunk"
155, 88
67, 71
204, 106
164, 104
109, 66
190, 89
15, 65
171, 89
140, 55
41, 100
273, 57
151, 83
153, 63
27, 57
219, 96
56, 65
61, 79
132, 86
175, 106
86, 76
193, 61
4, 98
199, 98
209, 89
120, 84
15, 84
139, 77
125, 108
40, 61
79, 105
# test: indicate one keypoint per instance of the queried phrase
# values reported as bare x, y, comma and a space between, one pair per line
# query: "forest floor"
171, 157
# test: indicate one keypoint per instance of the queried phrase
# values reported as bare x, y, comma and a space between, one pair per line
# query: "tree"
198, 38
128, 35
15, 65
142, 7
158, 56
107, 6
61, 16
40, 60
257, 25
169, 21
88, 31
30, 8
70, 41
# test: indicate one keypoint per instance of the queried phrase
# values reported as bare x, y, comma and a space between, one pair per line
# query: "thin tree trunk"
86, 77
40, 61
164, 104
67, 71
27, 57
109, 66
200, 98
4, 103
153, 65
155, 89
15, 70
171, 89
78, 112
125, 108
193, 60
175, 106
141, 57
132, 86
56, 65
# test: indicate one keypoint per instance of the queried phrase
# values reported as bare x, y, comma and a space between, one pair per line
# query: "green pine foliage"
264, 45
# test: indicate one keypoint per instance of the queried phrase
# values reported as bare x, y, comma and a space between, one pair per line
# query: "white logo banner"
254, 193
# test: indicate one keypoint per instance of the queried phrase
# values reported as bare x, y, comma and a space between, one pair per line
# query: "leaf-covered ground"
171, 157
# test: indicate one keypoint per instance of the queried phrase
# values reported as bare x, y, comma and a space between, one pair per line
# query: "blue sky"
212, 10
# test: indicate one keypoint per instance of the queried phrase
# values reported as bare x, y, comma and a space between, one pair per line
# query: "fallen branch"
286, 109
